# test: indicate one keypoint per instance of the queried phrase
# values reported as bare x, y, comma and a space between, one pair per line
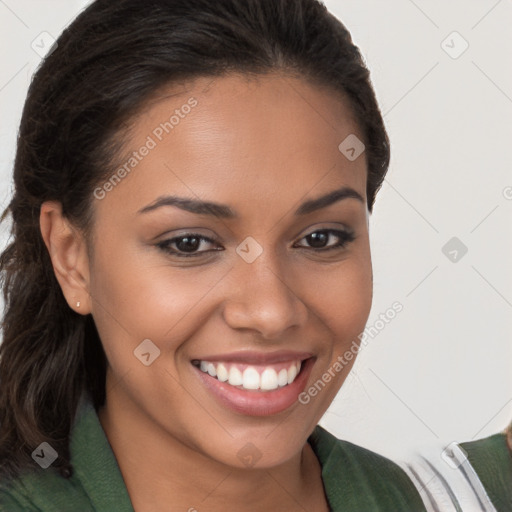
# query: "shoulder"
356, 478
9, 502
41, 490
96, 482
492, 461
40, 487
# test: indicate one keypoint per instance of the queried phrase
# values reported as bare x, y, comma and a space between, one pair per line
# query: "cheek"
349, 311
136, 297
343, 298
344, 302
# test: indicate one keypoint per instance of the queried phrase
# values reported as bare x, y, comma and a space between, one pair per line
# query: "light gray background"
442, 368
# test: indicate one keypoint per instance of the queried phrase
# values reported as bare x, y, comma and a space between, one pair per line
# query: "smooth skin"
262, 146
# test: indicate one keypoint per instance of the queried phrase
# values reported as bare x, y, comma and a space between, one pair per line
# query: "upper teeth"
253, 377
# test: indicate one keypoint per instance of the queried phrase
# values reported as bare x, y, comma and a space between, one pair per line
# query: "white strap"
446, 480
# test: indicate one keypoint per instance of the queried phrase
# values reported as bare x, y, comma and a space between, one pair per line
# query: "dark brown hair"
107, 64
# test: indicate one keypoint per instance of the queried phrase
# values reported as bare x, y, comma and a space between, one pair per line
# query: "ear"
68, 252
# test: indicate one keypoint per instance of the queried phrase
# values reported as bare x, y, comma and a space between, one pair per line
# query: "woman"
190, 255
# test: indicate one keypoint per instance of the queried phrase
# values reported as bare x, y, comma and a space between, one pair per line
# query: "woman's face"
199, 310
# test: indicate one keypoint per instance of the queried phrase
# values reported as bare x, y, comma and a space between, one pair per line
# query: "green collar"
355, 479
95, 465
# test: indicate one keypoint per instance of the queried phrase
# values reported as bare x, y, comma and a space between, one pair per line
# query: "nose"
262, 298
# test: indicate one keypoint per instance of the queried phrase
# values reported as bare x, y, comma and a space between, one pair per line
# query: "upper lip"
253, 357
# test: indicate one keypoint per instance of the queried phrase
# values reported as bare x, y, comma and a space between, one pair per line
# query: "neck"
160, 471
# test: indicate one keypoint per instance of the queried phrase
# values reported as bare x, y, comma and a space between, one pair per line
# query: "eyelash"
345, 237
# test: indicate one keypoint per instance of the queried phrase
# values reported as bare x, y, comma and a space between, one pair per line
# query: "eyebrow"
224, 211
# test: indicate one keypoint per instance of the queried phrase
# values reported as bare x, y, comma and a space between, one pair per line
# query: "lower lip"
258, 403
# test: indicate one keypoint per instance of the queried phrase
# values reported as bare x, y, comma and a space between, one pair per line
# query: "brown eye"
318, 239
187, 245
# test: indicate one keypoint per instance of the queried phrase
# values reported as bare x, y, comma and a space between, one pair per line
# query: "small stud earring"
78, 304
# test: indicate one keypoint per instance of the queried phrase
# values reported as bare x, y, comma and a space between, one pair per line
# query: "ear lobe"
68, 252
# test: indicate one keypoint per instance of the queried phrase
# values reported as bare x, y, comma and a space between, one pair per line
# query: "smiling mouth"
252, 377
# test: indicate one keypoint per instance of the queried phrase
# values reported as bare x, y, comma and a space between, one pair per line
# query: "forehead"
245, 141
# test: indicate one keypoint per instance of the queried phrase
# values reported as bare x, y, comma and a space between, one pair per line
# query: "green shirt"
492, 462
355, 479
